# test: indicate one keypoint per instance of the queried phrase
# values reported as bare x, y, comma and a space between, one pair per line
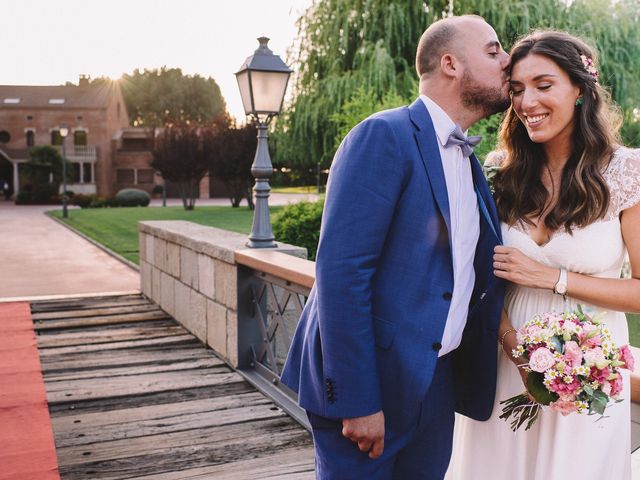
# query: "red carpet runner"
27, 450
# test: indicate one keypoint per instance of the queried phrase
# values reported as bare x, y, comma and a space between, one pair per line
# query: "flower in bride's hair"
541, 360
590, 67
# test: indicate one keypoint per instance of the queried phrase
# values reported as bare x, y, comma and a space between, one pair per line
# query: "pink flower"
593, 356
572, 354
563, 388
616, 386
627, 357
600, 375
541, 360
563, 407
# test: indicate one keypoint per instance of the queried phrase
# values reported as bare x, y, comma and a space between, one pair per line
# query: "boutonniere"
489, 173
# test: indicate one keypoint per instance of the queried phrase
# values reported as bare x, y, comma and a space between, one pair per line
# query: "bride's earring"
578, 101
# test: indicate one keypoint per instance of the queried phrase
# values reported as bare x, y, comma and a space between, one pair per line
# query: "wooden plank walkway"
132, 395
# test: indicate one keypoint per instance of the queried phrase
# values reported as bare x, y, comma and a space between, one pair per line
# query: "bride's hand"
511, 264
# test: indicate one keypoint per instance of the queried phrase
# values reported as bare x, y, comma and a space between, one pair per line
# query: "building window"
145, 175
56, 101
31, 138
56, 138
5, 137
79, 137
29, 117
11, 101
125, 176
86, 172
75, 172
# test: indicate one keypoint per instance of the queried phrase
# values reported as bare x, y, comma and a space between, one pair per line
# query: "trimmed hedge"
132, 197
299, 224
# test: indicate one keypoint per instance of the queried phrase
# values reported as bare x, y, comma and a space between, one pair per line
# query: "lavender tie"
466, 143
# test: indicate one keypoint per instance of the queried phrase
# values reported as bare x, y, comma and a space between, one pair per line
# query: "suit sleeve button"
447, 295
436, 346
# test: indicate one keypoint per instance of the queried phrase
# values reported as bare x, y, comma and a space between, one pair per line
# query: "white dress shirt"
465, 225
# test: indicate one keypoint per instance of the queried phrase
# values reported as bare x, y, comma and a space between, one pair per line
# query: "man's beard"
478, 98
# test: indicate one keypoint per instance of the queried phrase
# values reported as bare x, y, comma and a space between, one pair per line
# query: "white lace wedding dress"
556, 447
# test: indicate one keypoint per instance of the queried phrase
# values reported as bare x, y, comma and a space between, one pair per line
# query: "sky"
50, 42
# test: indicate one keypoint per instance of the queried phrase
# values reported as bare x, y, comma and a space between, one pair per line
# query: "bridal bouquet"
573, 365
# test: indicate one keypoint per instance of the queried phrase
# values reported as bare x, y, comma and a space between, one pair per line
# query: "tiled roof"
93, 96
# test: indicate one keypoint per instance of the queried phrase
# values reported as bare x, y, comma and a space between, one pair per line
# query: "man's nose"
506, 61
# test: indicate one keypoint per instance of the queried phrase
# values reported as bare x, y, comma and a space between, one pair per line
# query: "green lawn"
117, 228
304, 189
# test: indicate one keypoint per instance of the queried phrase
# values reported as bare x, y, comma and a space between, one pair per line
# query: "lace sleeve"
494, 159
624, 179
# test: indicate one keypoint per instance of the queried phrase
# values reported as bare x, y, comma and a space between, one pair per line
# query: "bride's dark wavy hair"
584, 195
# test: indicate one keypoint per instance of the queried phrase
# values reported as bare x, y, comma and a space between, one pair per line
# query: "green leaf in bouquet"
535, 386
588, 389
599, 402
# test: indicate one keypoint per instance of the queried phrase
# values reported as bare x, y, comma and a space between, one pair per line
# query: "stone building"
105, 154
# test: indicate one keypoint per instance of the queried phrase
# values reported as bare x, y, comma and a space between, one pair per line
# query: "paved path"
39, 257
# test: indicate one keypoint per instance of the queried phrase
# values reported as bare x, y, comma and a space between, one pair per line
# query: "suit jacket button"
447, 295
436, 346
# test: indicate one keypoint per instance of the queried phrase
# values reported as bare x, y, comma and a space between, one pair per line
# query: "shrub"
97, 202
132, 197
81, 200
299, 224
157, 189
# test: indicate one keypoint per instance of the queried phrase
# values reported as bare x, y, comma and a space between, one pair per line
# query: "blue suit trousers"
420, 453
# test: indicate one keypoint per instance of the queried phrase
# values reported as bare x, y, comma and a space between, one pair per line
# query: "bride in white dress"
569, 199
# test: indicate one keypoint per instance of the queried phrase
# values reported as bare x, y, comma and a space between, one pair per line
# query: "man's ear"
450, 65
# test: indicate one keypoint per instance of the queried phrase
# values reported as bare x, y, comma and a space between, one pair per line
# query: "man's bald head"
442, 37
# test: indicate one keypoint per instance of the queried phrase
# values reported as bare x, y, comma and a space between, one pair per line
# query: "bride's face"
544, 98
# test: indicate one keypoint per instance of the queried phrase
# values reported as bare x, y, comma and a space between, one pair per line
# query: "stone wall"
190, 271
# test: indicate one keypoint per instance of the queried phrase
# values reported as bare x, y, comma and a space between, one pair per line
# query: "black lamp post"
64, 131
262, 80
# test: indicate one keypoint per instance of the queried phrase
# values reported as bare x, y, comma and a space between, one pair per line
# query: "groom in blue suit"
400, 328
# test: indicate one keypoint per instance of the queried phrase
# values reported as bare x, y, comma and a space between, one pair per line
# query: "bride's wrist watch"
561, 285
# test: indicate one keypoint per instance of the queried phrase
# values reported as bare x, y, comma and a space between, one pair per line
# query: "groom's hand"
367, 432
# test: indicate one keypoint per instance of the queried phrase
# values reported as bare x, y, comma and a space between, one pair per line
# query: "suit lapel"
430, 154
485, 201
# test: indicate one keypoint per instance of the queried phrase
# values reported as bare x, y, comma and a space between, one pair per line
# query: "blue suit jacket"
369, 335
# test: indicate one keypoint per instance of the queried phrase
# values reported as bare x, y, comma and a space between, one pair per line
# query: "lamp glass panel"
245, 91
268, 90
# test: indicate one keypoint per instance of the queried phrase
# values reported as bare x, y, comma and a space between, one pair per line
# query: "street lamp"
262, 80
64, 131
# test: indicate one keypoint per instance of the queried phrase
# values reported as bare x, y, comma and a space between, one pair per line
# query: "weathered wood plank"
298, 463
96, 321
106, 405
94, 312
87, 302
68, 339
102, 374
183, 339
165, 354
79, 390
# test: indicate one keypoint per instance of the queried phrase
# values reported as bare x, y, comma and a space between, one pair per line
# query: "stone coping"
293, 269
212, 241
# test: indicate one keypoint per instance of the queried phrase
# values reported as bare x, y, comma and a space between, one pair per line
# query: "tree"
230, 152
346, 47
160, 96
179, 156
